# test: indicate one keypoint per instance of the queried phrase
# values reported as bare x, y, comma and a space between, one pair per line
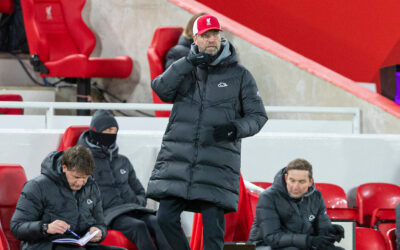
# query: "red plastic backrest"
7, 6
12, 180
375, 195
55, 29
369, 239
334, 196
71, 136
164, 38
11, 98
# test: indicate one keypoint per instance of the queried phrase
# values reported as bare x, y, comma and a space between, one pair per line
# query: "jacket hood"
225, 57
185, 42
51, 166
280, 185
97, 151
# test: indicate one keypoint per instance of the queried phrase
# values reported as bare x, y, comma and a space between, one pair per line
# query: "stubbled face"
110, 130
209, 42
76, 180
298, 182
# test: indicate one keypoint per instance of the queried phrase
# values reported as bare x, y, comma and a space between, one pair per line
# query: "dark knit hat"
102, 120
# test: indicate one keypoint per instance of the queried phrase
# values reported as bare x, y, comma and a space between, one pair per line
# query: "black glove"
320, 243
336, 231
199, 58
225, 132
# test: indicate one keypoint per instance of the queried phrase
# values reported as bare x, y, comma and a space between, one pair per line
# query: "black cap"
102, 120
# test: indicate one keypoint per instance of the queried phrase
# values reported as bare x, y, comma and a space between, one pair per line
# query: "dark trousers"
139, 228
169, 219
89, 247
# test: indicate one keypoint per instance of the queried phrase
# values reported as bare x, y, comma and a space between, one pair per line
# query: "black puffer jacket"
47, 198
191, 164
282, 221
121, 190
178, 51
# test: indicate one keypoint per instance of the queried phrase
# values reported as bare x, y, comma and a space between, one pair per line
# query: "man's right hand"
57, 227
320, 242
199, 58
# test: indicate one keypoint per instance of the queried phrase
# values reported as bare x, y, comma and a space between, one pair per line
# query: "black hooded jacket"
191, 165
121, 190
178, 51
282, 221
47, 198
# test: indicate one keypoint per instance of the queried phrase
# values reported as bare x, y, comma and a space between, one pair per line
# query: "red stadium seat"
371, 196
12, 180
391, 239
71, 136
164, 38
369, 239
60, 44
237, 224
7, 6
11, 98
3, 240
336, 202
116, 238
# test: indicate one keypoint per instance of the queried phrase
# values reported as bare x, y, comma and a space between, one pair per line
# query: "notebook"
81, 242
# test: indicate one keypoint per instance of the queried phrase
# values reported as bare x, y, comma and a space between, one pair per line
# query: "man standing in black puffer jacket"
291, 214
64, 197
123, 195
215, 104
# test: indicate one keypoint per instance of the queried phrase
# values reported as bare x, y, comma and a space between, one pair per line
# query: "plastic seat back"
116, 238
71, 136
164, 38
11, 98
12, 180
52, 22
371, 196
7, 6
369, 239
334, 196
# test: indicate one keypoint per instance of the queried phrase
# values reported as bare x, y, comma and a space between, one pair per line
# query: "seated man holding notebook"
292, 214
63, 202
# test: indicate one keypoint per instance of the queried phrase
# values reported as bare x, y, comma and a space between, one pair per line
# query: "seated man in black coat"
291, 214
62, 199
122, 193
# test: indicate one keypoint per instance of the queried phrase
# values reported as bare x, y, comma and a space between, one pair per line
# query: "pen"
73, 233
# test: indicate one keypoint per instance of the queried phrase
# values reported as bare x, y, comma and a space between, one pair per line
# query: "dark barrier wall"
354, 38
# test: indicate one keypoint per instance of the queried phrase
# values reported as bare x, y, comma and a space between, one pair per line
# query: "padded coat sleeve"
323, 221
271, 228
254, 116
98, 213
166, 84
136, 186
26, 220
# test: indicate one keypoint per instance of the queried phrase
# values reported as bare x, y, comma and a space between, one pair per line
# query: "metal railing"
51, 106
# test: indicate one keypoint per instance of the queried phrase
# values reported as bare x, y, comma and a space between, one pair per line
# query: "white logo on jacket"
122, 171
222, 85
89, 201
311, 217
49, 16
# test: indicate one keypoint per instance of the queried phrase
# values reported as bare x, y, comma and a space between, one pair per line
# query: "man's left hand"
97, 237
225, 132
337, 231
